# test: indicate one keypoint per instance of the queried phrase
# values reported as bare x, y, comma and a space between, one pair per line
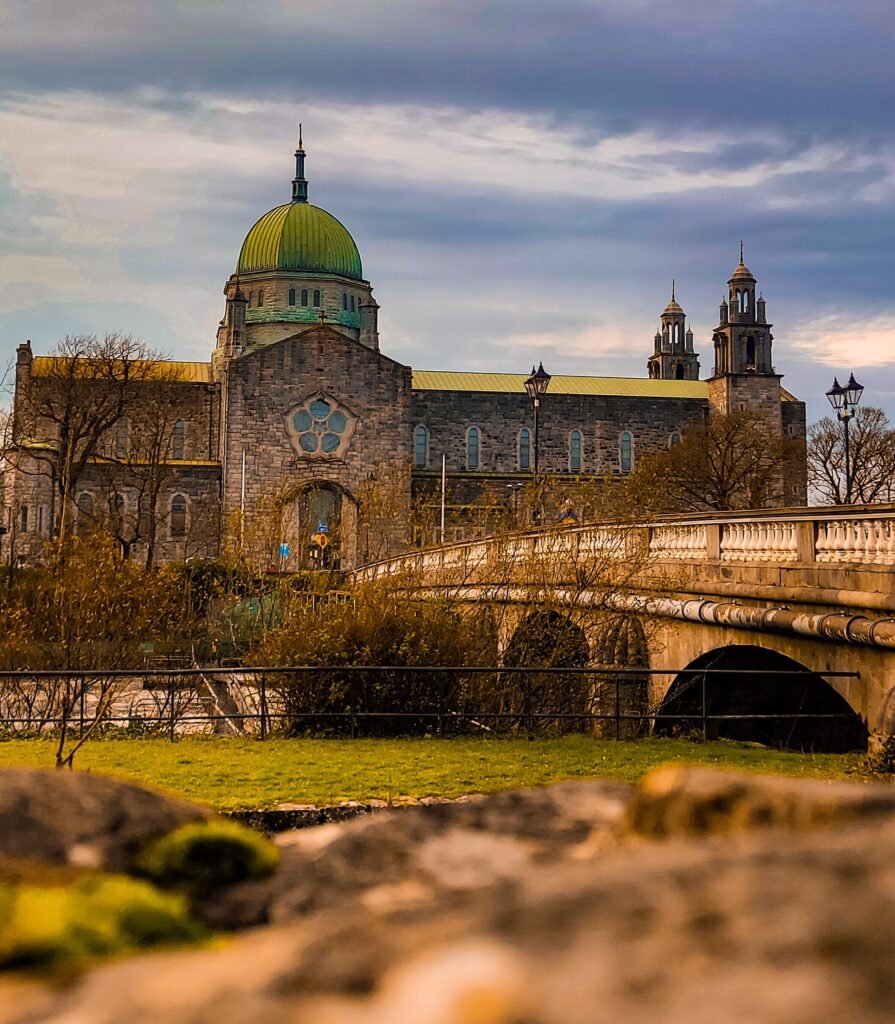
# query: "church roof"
173, 371
623, 387
300, 237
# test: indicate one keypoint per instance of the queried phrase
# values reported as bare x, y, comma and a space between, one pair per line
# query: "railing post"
712, 542
171, 715
805, 541
263, 706
441, 704
705, 717
618, 707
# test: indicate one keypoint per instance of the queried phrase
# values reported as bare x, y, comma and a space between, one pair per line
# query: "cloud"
840, 339
807, 65
521, 179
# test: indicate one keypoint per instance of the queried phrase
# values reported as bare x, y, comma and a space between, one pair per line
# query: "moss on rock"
61, 926
206, 855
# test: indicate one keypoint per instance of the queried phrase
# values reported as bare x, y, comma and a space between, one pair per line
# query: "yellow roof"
626, 387
165, 369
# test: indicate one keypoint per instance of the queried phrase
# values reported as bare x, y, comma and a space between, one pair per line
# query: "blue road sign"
322, 528
284, 550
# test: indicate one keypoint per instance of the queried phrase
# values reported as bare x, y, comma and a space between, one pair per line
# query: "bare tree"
872, 458
83, 390
143, 454
729, 462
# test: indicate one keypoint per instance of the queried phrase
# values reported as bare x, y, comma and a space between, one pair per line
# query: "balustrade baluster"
889, 552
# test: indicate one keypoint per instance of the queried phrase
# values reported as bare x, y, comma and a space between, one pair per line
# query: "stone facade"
299, 428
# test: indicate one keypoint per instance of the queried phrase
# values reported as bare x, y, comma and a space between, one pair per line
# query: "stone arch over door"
321, 507
767, 688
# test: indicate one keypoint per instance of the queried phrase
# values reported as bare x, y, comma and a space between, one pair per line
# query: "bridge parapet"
821, 538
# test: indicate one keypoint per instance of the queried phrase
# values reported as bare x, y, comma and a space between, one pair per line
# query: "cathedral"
300, 435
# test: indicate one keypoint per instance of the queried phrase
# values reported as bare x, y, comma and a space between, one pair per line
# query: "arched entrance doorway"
320, 526
766, 684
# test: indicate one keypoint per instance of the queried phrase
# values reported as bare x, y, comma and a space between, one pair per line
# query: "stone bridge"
781, 591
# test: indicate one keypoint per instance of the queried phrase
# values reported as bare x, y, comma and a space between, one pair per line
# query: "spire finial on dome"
299, 182
672, 290
741, 252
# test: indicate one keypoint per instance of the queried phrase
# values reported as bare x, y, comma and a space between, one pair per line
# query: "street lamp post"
536, 386
845, 401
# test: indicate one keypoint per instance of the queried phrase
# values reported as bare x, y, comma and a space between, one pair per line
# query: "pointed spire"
299, 182
741, 253
672, 290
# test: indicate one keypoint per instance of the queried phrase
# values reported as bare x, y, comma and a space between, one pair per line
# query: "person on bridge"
567, 514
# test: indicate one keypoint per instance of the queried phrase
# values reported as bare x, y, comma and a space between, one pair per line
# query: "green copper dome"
300, 237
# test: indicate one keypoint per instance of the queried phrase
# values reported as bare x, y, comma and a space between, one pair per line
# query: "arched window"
316, 297
420, 447
85, 511
674, 440
291, 296
260, 297
679, 371
625, 451
304, 296
750, 352
345, 301
23, 520
121, 433
745, 302
524, 449
178, 440
352, 303
472, 448
575, 451
178, 516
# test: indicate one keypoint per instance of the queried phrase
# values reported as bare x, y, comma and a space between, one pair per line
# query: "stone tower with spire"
673, 357
744, 378
743, 375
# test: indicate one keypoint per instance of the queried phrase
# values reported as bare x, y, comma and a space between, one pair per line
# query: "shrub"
205, 855
881, 761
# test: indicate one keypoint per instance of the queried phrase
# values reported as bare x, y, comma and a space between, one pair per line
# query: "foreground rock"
82, 820
549, 907
419, 855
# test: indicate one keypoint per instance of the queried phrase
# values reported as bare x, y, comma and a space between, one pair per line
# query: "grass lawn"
247, 773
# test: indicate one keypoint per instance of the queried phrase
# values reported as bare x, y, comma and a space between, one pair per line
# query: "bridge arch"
545, 638
766, 688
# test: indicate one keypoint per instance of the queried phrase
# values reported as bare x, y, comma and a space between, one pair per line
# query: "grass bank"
231, 774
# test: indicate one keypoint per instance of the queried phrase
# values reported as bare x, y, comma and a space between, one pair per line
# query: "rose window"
320, 427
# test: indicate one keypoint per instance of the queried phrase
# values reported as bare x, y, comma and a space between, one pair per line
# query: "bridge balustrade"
856, 540
804, 536
759, 542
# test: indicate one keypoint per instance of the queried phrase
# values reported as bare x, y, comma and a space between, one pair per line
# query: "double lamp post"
845, 401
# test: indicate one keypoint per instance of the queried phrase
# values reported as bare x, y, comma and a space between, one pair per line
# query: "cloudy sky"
523, 178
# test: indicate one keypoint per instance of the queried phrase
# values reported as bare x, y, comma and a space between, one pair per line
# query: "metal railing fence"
366, 700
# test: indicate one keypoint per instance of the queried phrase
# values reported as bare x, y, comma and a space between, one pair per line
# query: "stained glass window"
420, 447
575, 451
178, 516
472, 448
525, 449
178, 441
625, 447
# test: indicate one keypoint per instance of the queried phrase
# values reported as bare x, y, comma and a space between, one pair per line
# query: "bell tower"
744, 376
673, 357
